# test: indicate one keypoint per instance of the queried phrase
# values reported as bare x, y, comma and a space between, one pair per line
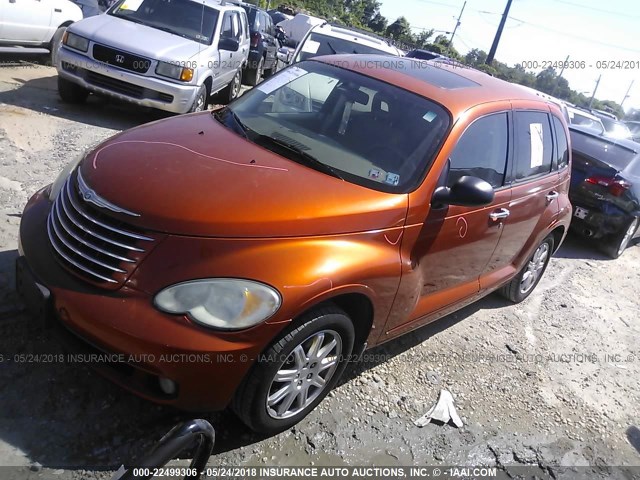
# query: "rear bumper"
598, 224
135, 344
141, 90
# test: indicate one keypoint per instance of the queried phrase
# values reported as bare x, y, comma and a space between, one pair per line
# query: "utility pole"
594, 92
626, 94
457, 24
496, 40
560, 75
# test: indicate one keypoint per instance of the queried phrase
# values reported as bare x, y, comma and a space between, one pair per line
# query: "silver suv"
166, 54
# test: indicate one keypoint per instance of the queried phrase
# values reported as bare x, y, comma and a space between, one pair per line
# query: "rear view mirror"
467, 191
229, 44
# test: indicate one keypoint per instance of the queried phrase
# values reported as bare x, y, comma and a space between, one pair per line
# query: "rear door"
534, 194
271, 44
25, 21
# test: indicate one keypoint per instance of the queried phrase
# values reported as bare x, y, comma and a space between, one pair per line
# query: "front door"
25, 21
454, 245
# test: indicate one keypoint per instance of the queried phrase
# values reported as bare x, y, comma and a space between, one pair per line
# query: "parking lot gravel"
551, 383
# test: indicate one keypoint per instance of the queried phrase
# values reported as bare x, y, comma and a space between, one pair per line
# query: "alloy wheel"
304, 374
534, 268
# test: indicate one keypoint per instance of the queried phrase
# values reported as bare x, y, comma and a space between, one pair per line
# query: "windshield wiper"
128, 18
168, 30
301, 156
224, 113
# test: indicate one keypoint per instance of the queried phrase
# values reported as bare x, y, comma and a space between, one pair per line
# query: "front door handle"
499, 214
552, 196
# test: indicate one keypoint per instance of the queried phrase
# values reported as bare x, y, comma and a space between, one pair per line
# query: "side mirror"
283, 54
229, 44
467, 192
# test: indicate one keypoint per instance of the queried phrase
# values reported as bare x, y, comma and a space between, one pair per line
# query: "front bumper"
141, 90
206, 365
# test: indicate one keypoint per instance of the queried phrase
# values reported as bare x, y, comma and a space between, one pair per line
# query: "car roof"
622, 142
452, 84
345, 33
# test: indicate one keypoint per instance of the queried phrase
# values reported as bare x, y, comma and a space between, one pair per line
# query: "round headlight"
222, 303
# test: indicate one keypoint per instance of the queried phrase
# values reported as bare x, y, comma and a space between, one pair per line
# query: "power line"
440, 3
600, 10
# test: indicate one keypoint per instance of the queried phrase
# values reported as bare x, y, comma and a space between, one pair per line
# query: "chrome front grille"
90, 243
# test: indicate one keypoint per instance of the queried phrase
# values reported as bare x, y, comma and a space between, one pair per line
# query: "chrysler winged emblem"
91, 196
120, 58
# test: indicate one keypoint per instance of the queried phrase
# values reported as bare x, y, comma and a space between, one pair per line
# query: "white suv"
328, 39
167, 54
36, 23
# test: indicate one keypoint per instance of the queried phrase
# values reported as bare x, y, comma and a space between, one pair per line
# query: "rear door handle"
499, 214
552, 196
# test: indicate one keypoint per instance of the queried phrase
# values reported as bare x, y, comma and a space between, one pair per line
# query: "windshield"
615, 129
346, 124
184, 18
594, 124
318, 44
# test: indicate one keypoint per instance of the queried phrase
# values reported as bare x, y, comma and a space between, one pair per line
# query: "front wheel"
521, 286
71, 92
293, 376
615, 245
200, 103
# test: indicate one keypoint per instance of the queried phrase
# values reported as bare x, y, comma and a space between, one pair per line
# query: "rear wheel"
231, 91
71, 92
296, 372
254, 75
521, 286
615, 245
274, 68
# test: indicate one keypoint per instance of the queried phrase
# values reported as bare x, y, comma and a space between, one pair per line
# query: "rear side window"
482, 151
533, 144
562, 155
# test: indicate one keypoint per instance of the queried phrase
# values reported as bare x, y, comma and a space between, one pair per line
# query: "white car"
585, 119
328, 39
36, 23
166, 54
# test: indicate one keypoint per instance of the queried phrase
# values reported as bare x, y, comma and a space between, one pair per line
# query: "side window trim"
522, 181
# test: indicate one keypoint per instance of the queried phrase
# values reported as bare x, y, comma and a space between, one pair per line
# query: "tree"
422, 39
378, 23
400, 30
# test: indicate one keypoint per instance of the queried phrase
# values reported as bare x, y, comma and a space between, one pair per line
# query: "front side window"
345, 124
183, 18
318, 44
533, 144
482, 151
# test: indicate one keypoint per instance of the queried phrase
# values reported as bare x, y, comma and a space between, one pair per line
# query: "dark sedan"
605, 189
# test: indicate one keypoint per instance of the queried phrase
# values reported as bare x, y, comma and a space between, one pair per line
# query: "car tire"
273, 70
615, 245
253, 76
257, 402
71, 92
54, 44
525, 282
231, 91
201, 102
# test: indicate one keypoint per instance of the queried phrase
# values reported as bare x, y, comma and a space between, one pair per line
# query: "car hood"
150, 42
190, 175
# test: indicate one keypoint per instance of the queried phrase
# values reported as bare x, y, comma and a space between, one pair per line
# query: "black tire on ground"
273, 70
201, 102
325, 325
71, 92
615, 245
525, 282
231, 91
55, 42
253, 76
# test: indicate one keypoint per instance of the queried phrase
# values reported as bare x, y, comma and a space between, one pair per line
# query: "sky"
540, 31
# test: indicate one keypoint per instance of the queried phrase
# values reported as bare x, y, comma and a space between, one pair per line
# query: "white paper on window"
537, 145
311, 46
284, 77
132, 5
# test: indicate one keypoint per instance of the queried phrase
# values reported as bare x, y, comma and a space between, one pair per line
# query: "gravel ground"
550, 383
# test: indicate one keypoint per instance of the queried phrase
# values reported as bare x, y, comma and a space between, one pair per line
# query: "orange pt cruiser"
242, 257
